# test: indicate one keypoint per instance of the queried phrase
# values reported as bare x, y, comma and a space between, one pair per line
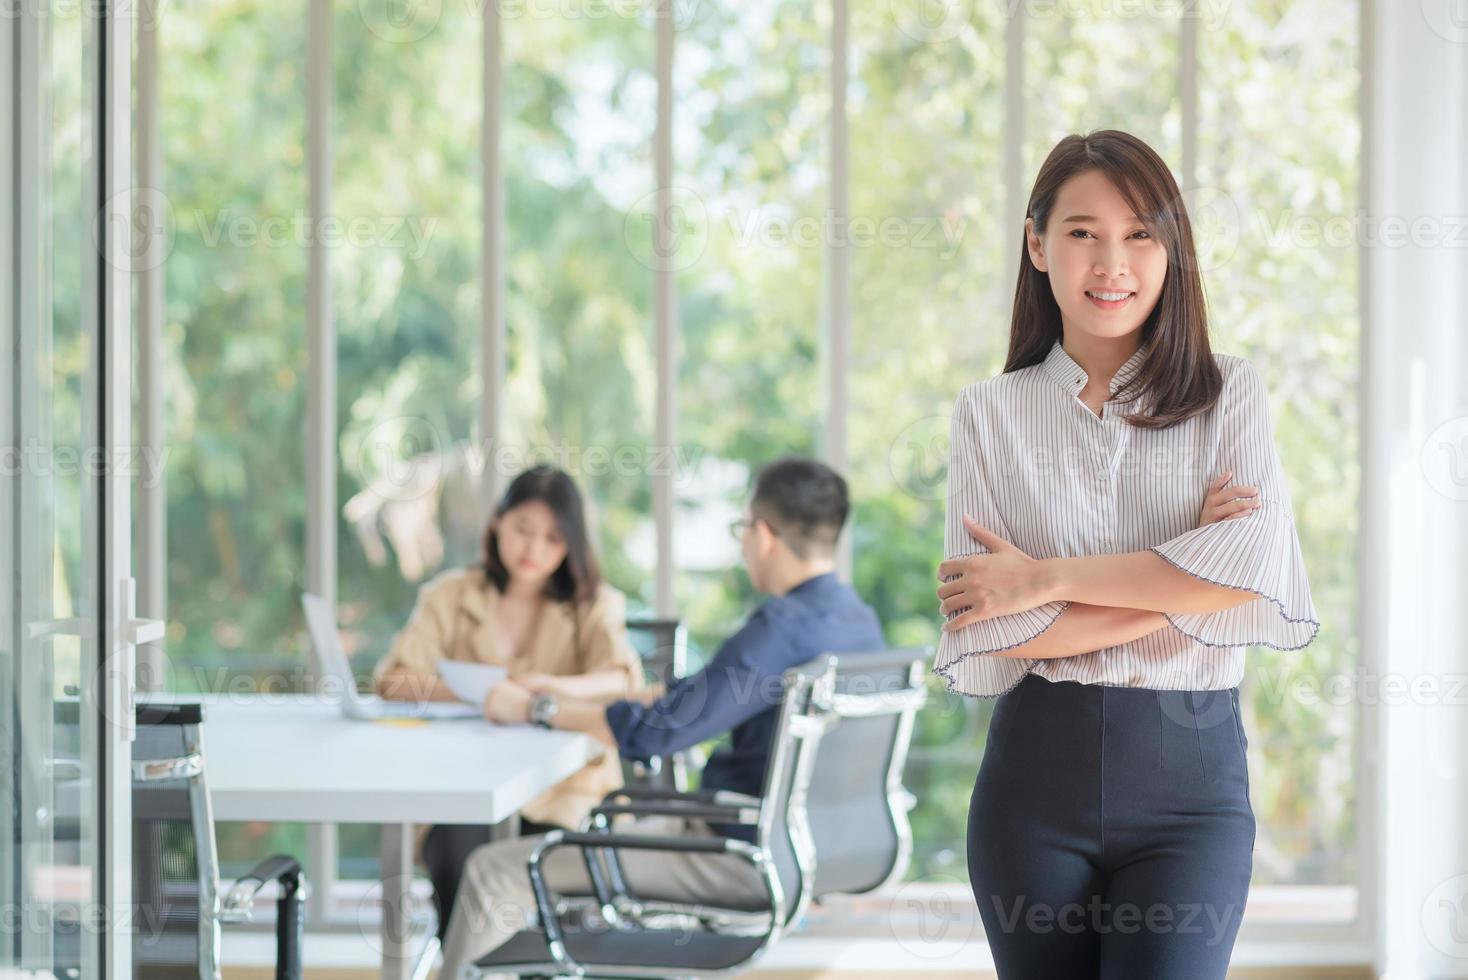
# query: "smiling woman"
1069, 592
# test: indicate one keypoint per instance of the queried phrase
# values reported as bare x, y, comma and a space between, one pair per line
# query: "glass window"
234, 336
234, 356
579, 111
1279, 146
750, 138
930, 314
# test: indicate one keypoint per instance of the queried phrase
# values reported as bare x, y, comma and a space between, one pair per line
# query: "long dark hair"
1177, 372
578, 576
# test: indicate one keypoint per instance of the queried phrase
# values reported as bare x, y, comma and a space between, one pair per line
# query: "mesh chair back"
175, 878
784, 830
663, 646
857, 805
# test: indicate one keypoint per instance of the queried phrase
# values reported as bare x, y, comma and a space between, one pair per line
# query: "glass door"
65, 624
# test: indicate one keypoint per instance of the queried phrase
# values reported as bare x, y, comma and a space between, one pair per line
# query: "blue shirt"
740, 689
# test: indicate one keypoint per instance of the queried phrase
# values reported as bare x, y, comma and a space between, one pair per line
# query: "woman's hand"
1225, 503
508, 703
1004, 581
543, 684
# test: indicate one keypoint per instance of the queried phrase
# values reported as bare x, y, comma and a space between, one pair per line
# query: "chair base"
615, 953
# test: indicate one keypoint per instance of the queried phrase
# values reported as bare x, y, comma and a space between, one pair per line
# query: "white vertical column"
837, 322
152, 519
1187, 87
665, 311
492, 266
1414, 487
320, 328
1015, 196
320, 389
107, 296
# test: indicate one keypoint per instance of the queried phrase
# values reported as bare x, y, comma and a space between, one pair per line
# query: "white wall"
1414, 558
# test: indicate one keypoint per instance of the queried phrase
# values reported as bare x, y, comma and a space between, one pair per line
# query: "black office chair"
663, 646
858, 806
175, 871
829, 822
782, 854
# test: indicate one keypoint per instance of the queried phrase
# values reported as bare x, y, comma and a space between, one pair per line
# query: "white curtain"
1414, 554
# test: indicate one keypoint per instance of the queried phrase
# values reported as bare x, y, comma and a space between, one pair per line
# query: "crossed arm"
1112, 599
1115, 599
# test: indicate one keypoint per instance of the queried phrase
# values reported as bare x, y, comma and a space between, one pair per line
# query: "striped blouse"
1032, 463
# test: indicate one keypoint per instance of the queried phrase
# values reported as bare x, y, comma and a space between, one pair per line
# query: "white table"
296, 758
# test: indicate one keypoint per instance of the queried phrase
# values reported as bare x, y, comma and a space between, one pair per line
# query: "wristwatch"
543, 709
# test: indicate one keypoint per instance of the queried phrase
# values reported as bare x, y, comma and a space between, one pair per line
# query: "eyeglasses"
738, 526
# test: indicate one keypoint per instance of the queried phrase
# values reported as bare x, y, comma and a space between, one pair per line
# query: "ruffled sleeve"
1258, 553
959, 658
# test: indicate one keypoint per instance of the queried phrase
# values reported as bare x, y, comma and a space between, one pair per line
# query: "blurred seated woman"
536, 606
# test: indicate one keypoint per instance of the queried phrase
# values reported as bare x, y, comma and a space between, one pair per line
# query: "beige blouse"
455, 619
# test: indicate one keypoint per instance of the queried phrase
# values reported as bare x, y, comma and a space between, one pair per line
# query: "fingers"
953, 603
959, 622
1237, 508
1218, 497
983, 535
1219, 483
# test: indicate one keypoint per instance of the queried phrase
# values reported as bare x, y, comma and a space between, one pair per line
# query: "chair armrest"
714, 813
641, 842
290, 915
657, 793
716, 797
238, 904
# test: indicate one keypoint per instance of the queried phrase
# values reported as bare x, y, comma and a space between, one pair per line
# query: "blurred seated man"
788, 541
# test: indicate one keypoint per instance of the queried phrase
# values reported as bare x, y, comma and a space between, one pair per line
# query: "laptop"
335, 670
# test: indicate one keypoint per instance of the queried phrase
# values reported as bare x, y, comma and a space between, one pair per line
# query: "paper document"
471, 683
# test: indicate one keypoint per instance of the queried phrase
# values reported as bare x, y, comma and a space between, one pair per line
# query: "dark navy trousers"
1110, 833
